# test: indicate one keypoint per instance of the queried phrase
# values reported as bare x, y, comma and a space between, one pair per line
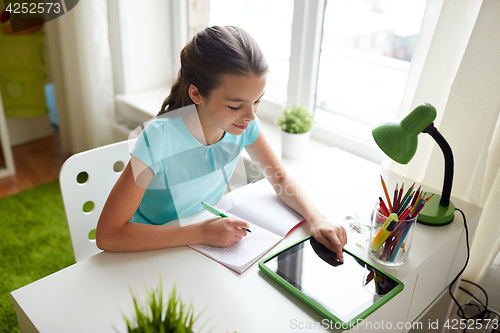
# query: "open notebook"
269, 218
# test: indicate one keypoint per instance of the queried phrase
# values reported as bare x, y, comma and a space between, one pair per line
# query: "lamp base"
436, 215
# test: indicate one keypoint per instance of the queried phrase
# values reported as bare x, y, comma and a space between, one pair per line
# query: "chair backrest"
86, 179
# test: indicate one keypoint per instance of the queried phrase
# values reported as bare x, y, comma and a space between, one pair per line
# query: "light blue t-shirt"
185, 171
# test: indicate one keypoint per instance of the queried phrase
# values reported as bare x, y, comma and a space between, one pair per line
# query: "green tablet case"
319, 308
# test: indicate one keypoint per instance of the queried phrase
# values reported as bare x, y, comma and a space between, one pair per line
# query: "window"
365, 57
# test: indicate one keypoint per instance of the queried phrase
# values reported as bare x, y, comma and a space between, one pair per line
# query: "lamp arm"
448, 163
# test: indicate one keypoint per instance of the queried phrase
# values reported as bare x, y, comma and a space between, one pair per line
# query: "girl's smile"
242, 127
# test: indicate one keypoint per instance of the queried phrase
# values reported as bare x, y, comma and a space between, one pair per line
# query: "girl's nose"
250, 114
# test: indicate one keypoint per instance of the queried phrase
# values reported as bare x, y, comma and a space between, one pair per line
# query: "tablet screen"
344, 289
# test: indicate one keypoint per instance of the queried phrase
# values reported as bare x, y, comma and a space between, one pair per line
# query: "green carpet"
35, 242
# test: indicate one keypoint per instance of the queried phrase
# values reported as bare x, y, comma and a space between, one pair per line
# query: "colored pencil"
399, 244
416, 203
386, 193
420, 203
400, 196
418, 210
394, 203
415, 196
405, 214
429, 197
383, 207
407, 194
405, 204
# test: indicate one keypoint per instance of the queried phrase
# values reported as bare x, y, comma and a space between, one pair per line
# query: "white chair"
86, 179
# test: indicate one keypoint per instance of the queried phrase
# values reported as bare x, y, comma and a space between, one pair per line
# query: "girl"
180, 156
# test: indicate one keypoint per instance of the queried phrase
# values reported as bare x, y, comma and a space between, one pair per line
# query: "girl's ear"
194, 94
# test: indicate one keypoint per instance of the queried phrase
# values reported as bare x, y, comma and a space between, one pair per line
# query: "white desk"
90, 295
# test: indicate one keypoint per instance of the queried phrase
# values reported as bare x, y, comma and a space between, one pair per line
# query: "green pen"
214, 211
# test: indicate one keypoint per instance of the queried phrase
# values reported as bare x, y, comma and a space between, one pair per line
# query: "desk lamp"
399, 140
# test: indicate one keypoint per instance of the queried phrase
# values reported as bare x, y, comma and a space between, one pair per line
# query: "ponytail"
178, 97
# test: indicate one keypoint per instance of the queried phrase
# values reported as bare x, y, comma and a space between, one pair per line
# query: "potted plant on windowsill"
295, 123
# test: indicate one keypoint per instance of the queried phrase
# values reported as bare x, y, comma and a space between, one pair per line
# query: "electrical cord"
460, 310
472, 310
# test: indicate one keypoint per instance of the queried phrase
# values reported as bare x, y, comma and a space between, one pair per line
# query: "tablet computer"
344, 293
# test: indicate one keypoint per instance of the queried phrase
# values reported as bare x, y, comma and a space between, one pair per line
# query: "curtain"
456, 68
87, 75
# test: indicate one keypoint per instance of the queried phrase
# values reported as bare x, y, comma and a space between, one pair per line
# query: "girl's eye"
239, 107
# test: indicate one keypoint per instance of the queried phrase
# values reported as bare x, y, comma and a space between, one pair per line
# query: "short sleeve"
252, 132
149, 145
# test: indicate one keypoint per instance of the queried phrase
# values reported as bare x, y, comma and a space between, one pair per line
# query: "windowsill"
139, 107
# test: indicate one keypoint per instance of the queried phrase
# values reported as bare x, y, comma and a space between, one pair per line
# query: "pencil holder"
390, 238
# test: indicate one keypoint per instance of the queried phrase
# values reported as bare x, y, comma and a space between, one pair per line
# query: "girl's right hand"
223, 232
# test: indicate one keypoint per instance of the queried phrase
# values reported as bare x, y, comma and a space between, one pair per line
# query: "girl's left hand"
331, 235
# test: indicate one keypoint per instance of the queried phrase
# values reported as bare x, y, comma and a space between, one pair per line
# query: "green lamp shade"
401, 149
399, 139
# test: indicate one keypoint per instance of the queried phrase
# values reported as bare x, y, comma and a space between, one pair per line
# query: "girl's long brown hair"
211, 53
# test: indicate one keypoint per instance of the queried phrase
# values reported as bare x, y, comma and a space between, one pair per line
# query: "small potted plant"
295, 123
